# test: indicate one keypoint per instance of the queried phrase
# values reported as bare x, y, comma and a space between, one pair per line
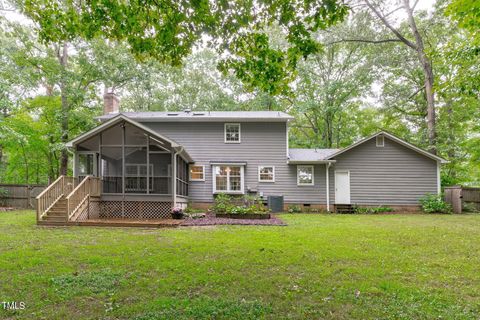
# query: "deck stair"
344, 208
58, 213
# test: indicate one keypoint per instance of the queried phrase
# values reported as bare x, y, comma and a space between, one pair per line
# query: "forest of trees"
364, 66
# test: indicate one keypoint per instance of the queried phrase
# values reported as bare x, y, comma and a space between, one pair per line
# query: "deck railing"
80, 196
60, 187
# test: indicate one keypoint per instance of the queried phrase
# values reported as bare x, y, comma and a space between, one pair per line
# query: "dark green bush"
432, 203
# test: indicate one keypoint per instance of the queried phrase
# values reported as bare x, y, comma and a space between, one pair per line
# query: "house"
141, 164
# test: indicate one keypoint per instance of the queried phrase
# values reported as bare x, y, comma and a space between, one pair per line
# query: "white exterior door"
342, 187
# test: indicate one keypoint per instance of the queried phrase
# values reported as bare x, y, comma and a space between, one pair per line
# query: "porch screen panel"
182, 177
160, 179
136, 170
111, 165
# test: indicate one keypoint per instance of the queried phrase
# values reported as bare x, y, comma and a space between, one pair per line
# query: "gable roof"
120, 118
205, 116
309, 155
394, 138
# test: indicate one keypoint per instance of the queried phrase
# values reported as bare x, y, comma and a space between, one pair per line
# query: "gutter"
174, 187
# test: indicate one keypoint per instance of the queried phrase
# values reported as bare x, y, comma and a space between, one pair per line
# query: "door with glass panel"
87, 165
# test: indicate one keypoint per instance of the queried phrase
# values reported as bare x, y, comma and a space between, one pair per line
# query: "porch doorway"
87, 164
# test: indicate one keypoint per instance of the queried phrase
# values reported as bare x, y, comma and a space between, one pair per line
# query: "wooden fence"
458, 196
21, 195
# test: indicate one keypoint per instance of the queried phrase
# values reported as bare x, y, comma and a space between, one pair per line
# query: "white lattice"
135, 209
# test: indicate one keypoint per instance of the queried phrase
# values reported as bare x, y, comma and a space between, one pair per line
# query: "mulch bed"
211, 220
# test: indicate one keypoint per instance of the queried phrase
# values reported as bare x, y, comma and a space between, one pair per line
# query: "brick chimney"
111, 103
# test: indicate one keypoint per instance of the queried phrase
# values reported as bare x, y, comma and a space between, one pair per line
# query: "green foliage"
169, 35
372, 210
470, 207
3, 196
294, 209
237, 205
222, 203
433, 203
467, 13
189, 210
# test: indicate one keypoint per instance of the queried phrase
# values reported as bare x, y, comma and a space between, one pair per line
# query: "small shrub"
222, 204
238, 210
432, 203
294, 209
470, 207
361, 210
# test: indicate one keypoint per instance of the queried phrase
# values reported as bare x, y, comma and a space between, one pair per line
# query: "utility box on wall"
275, 203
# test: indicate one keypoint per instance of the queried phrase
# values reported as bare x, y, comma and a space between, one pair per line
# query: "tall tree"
414, 40
169, 30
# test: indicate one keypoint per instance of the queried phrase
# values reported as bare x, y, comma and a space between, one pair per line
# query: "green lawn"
318, 267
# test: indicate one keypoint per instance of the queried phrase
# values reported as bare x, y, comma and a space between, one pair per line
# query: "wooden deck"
151, 223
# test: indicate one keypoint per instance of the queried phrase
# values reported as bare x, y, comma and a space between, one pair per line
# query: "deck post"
327, 179
174, 178
75, 164
123, 170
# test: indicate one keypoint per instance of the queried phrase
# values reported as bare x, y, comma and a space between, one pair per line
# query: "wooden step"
57, 213
344, 208
59, 208
55, 219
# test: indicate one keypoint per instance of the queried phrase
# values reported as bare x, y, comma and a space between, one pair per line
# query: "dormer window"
380, 141
232, 132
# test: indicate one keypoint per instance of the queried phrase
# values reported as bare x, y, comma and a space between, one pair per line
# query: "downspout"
327, 166
439, 182
174, 188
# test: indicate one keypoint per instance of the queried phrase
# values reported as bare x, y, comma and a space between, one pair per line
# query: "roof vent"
187, 110
198, 114
172, 114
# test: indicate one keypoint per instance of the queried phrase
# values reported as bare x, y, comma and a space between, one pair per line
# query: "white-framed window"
305, 175
380, 141
197, 173
228, 179
232, 133
266, 174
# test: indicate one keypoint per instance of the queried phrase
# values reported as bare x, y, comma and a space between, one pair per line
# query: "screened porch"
134, 164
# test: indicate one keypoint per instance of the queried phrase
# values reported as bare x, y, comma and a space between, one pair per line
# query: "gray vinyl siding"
390, 175
261, 144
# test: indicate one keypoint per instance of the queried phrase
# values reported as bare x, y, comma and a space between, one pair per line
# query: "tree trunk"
62, 57
428, 78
